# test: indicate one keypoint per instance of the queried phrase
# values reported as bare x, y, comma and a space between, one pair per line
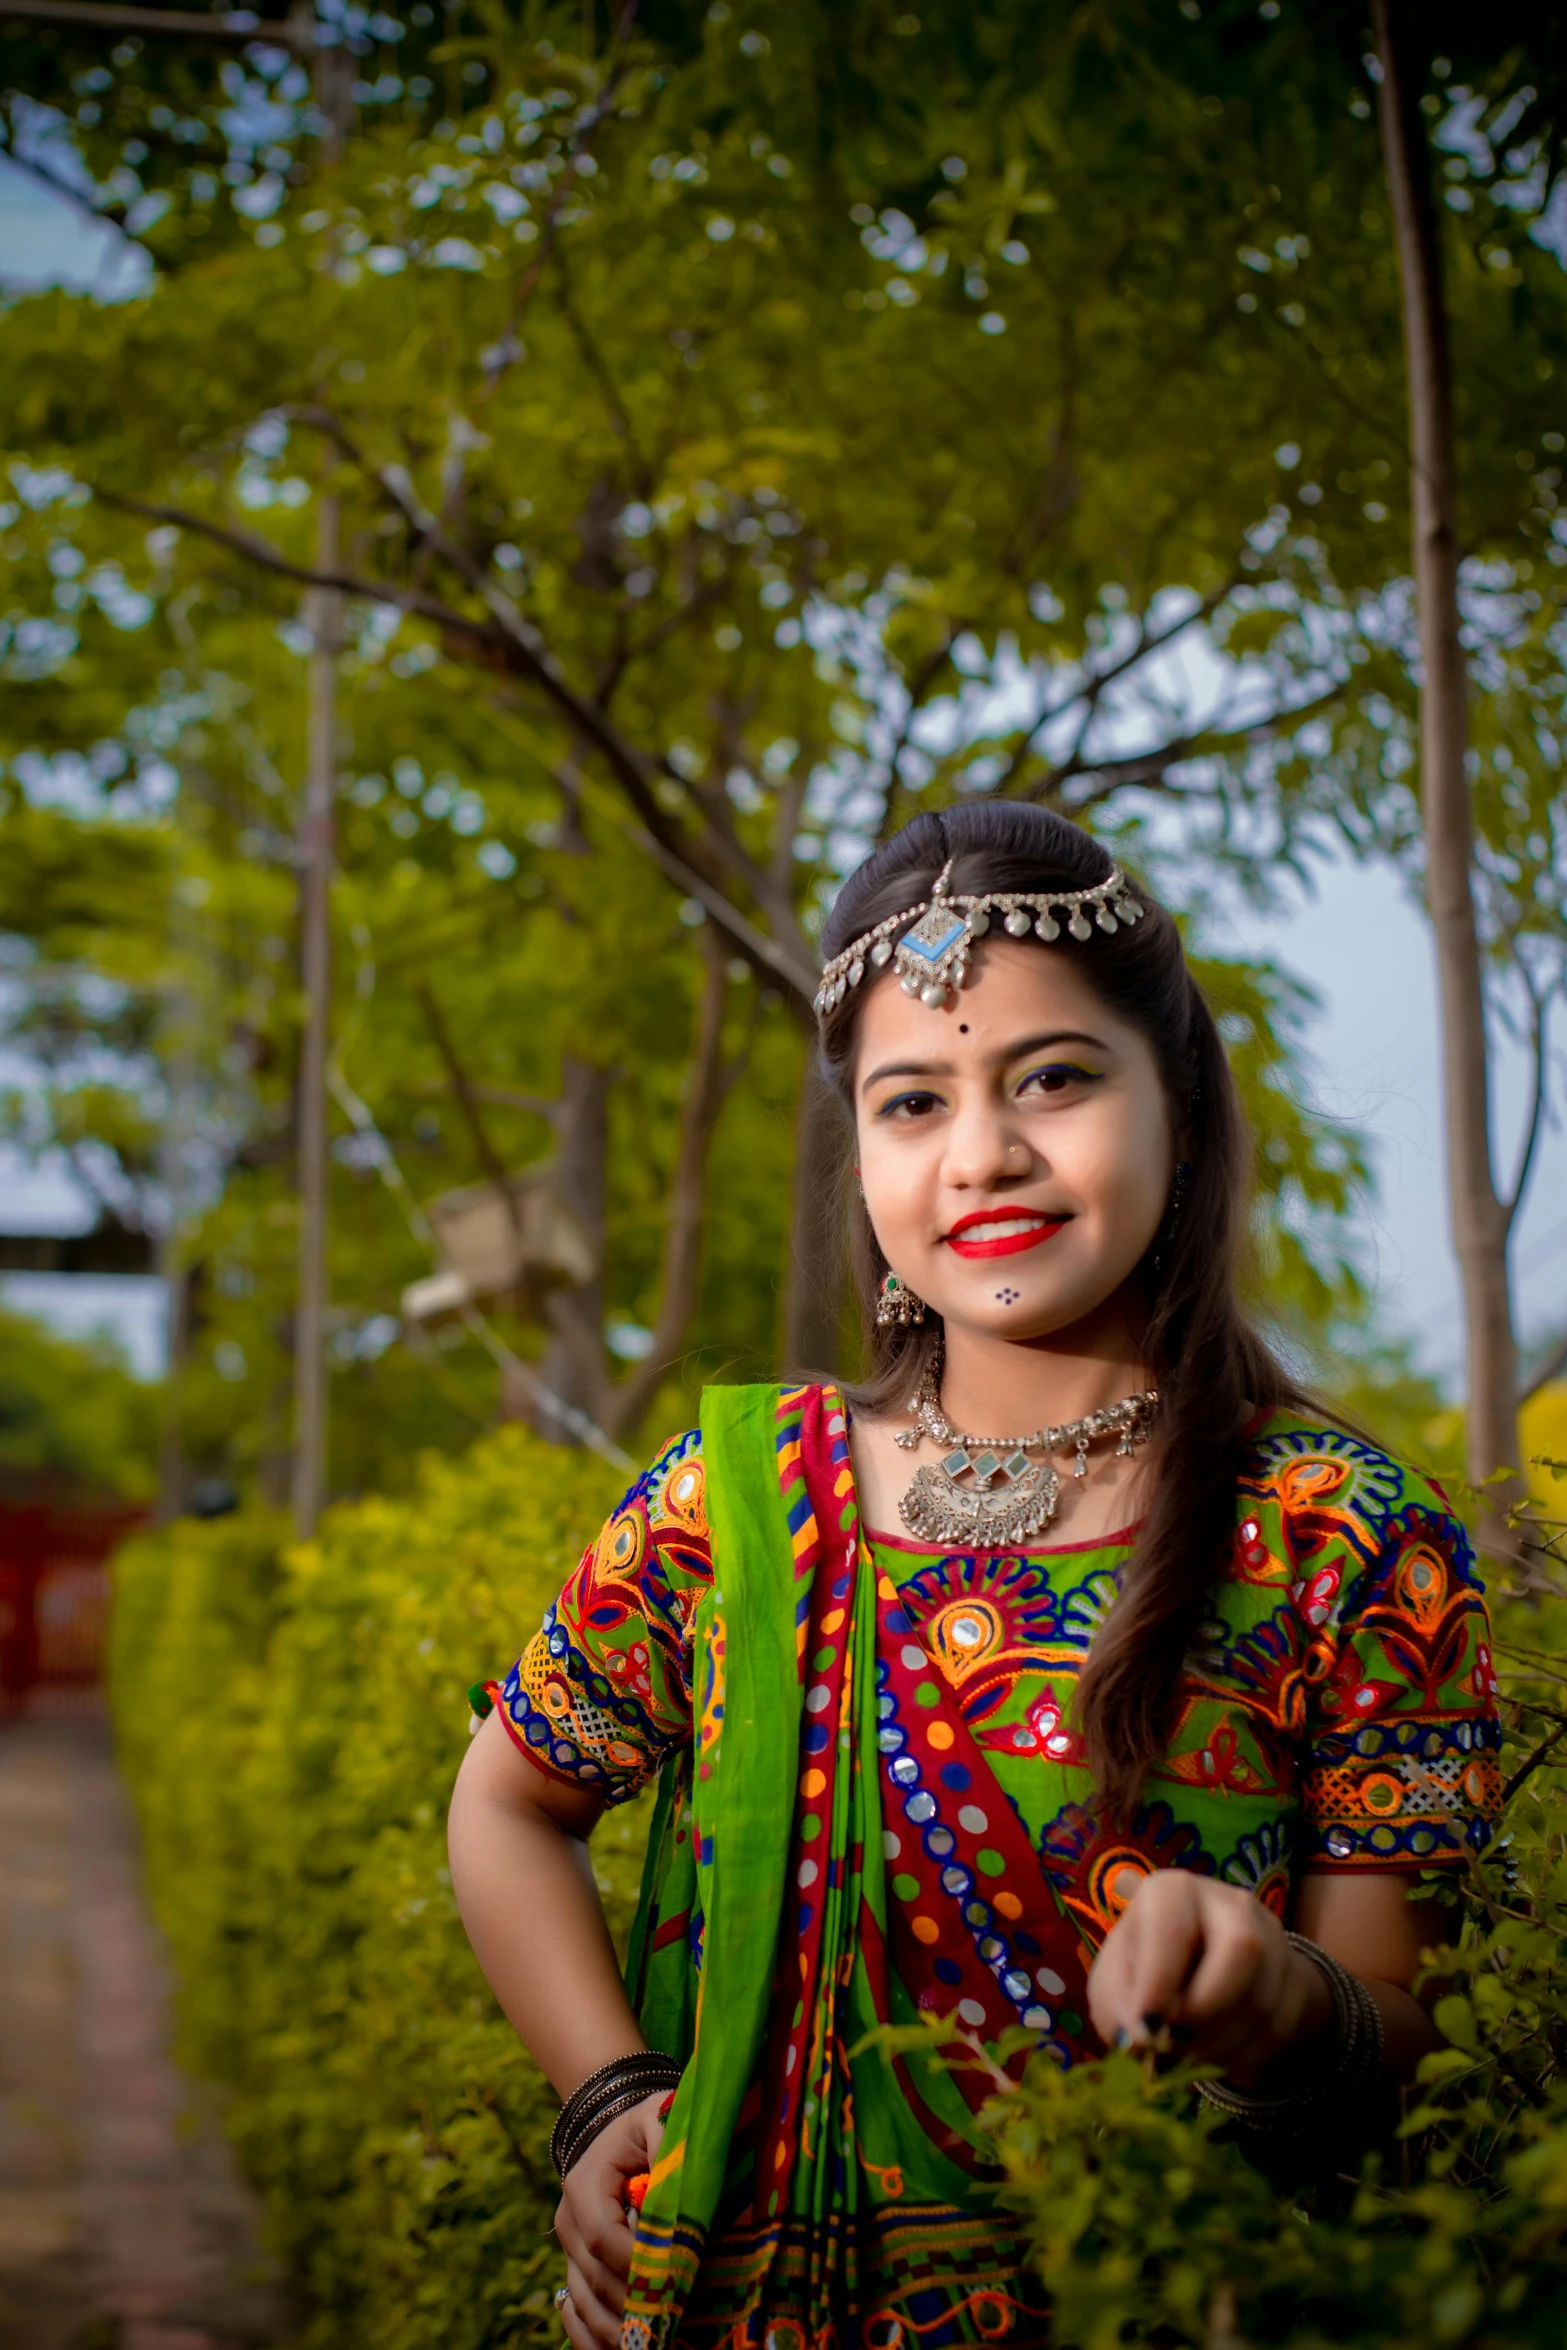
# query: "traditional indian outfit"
871, 1807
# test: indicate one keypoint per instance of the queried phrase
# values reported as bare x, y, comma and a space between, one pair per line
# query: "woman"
1079, 1675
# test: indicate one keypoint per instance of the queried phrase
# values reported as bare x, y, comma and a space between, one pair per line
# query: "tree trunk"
815, 1296
171, 1426
315, 888
178, 1284
1479, 1217
706, 1085
573, 1363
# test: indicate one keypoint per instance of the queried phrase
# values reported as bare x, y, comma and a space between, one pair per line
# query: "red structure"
54, 1596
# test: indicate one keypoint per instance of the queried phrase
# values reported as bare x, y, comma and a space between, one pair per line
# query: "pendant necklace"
986, 1493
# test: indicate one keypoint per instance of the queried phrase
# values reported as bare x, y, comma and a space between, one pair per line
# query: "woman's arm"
1368, 1922
520, 1871
524, 1885
1211, 1962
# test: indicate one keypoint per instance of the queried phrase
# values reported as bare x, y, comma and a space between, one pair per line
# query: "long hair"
1207, 1360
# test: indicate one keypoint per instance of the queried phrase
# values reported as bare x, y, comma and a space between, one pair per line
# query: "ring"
562, 2296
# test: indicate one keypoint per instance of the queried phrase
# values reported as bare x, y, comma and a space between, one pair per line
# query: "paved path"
123, 2223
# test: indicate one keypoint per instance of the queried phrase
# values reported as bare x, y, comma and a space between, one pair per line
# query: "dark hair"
1205, 1357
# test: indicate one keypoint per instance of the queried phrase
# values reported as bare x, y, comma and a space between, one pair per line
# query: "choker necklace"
987, 1492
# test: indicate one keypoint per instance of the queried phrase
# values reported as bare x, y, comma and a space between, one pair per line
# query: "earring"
897, 1306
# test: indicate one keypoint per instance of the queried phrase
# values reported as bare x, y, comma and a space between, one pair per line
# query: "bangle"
1350, 2073
613, 2090
598, 2100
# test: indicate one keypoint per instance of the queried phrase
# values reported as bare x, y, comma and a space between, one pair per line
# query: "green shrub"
290, 1720
1149, 2226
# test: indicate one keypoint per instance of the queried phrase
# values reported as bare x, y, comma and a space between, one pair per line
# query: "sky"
1356, 940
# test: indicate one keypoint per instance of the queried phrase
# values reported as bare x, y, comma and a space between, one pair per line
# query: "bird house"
513, 1243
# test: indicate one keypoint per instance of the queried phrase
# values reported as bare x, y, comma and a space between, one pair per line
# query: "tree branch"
533, 657
78, 198
701, 600
918, 688
1091, 690
1532, 1761
510, 636
769, 958
1539, 1005
1542, 1375
598, 368
1150, 767
490, 1159
499, 1097
579, 144
236, 29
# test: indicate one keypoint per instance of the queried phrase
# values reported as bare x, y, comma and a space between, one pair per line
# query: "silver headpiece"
932, 957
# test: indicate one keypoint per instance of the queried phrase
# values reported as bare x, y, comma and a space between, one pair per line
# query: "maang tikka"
932, 956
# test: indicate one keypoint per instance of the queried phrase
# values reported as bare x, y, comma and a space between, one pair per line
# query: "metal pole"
315, 914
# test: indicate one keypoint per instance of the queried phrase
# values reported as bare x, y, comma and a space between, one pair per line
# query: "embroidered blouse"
1337, 1709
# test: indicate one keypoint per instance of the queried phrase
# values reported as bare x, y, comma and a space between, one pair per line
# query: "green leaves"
1150, 2228
742, 437
73, 1411
291, 1723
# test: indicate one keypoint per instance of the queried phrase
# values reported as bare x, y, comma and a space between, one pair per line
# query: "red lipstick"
998, 1233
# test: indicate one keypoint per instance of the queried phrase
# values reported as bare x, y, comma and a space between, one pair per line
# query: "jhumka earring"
897, 1305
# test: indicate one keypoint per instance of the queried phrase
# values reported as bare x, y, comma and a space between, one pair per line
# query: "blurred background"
502, 507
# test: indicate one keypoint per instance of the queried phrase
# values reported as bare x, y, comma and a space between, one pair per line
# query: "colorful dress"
872, 1808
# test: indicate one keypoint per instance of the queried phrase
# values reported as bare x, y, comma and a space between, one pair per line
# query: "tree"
72, 1411
737, 512
1481, 1218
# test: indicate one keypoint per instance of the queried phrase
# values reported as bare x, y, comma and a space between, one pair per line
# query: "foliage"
846, 439
290, 1722
288, 1719
1151, 2227
73, 1410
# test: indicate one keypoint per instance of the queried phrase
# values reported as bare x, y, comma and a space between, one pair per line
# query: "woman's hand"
1211, 1964
593, 2227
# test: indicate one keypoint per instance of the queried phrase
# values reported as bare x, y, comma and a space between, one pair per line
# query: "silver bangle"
1344, 2082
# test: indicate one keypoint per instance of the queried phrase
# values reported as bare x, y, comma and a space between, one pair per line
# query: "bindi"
1008, 1297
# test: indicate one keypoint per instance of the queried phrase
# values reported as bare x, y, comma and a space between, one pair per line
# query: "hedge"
290, 1719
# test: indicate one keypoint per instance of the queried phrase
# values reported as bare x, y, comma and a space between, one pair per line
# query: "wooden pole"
333, 76
315, 919
1479, 1218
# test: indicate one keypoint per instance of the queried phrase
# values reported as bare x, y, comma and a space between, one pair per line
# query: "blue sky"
1357, 941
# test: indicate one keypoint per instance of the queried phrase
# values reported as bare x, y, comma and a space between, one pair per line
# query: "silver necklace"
986, 1491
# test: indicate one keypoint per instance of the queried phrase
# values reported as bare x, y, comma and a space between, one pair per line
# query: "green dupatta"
809, 2191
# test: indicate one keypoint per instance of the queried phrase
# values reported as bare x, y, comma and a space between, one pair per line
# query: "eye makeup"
1058, 1075
911, 1102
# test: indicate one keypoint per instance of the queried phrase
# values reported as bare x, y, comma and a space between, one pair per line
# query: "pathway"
123, 2222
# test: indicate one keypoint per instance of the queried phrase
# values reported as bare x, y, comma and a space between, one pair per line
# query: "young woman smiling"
1076, 1672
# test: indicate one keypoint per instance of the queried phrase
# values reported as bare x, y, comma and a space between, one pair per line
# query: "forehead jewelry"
932, 956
